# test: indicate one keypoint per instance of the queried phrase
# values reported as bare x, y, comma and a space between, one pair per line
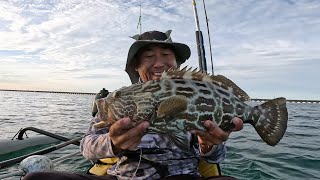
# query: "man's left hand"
214, 134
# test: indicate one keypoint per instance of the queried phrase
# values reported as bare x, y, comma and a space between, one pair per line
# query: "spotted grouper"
183, 99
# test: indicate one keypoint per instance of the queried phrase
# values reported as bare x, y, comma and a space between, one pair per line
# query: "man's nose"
159, 61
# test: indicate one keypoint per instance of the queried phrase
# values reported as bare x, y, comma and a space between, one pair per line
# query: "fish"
184, 98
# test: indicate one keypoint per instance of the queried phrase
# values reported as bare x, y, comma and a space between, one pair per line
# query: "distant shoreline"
87, 93
57, 92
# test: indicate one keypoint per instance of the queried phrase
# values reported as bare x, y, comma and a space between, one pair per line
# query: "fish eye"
116, 94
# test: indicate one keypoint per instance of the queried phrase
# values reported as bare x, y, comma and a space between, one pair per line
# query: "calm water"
297, 156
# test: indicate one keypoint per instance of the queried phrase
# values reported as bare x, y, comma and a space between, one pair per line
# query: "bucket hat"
182, 51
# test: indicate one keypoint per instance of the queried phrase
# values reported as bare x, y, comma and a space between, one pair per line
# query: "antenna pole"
207, 20
139, 22
199, 38
140, 19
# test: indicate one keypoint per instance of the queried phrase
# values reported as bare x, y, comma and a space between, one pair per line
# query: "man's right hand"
126, 137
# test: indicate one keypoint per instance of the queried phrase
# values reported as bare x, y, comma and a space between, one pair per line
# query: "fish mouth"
111, 117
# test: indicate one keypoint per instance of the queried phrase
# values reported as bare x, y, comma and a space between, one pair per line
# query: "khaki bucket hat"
182, 51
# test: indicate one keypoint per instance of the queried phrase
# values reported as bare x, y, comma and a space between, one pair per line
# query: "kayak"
14, 145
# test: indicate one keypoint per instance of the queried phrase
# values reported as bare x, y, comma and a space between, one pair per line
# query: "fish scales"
182, 100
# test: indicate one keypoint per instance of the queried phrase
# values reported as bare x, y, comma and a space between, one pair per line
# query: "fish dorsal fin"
172, 105
185, 73
236, 90
219, 80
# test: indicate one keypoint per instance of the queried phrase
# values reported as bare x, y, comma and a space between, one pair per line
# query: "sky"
269, 48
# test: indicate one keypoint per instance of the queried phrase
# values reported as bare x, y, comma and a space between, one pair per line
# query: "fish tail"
270, 120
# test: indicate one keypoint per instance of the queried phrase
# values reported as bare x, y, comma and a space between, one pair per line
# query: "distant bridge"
86, 93
58, 92
290, 101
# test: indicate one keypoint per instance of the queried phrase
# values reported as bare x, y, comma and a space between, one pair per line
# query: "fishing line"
134, 174
208, 31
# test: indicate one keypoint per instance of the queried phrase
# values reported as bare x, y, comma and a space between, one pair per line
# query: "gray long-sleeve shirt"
169, 158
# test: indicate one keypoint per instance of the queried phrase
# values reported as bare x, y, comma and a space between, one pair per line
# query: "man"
152, 156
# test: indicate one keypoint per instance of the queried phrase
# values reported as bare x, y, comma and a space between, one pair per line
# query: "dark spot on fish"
227, 123
178, 81
204, 108
227, 108
189, 117
165, 94
225, 100
116, 94
204, 91
134, 87
186, 116
205, 117
200, 84
223, 92
218, 115
202, 100
240, 109
152, 88
192, 109
188, 89
186, 94
226, 118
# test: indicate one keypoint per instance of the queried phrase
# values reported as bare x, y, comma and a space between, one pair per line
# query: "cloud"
76, 44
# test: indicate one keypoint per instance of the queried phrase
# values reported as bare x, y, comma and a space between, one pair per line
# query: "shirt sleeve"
96, 143
216, 155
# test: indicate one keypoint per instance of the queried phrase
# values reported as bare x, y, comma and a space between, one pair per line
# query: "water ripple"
295, 157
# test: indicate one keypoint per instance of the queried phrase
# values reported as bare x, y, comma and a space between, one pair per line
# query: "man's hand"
126, 137
214, 135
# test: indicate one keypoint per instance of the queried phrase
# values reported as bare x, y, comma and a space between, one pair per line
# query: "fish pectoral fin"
227, 84
172, 105
180, 139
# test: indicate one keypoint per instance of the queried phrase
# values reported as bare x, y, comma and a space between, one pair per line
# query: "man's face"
153, 60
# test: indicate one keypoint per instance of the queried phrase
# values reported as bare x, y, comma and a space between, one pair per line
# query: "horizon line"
91, 93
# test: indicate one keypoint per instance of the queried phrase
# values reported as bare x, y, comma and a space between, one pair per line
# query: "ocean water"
297, 156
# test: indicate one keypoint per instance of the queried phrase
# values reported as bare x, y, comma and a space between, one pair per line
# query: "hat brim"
182, 51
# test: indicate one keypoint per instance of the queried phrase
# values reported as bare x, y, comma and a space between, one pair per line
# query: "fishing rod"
199, 40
